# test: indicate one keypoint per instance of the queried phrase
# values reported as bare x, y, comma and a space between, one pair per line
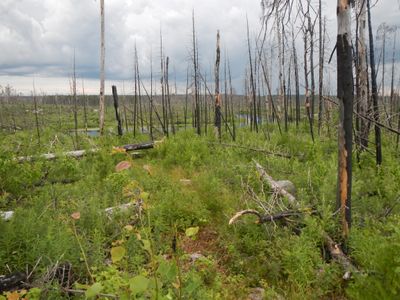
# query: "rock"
287, 186
195, 256
256, 294
6, 215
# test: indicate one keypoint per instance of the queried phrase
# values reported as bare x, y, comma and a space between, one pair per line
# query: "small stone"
256, 294
196, 256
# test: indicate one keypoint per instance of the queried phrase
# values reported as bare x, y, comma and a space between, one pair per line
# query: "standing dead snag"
102, 60
345, 96
374, 89
217, 123
117, 116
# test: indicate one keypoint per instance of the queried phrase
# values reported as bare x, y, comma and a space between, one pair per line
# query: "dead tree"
362, 74
374, 89
196, 76
296, 78
253, 108
75, 97
102, 62
116, 107
345, 95
85, 119
321, 68
217, 122
392, 100
169, 112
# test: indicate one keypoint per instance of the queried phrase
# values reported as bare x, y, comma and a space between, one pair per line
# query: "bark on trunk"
116, 107
217, 122
345, 96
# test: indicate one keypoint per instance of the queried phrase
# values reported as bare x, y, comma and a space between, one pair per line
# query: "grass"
156, 260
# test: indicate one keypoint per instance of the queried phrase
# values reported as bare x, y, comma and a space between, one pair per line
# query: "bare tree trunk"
321, 68
311, 31
253, 107
171, 116
374, 88
85, 119
217, 122
392, 103
345, 129
296, 75
363, 98
196, 91
102, 61
307, 92
151, 97
75, 105
36, 114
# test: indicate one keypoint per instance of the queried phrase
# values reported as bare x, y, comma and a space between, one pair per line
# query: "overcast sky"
38, 38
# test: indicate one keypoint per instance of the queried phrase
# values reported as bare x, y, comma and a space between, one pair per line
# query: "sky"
38, 39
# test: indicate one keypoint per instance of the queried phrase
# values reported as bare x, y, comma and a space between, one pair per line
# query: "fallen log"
7, 215
274, 185
81, 153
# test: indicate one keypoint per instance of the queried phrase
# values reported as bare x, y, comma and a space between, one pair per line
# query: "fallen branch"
253, 149
264, 218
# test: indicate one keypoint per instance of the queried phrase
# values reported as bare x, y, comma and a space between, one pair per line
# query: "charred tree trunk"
345, 129
217, 122
117, 117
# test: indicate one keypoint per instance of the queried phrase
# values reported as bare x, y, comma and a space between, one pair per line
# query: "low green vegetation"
175, 242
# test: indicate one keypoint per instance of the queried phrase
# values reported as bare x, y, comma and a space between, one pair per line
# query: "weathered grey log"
81, 153
7, 215
274, 185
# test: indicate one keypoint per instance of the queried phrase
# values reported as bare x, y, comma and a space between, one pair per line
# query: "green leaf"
138, 284
146, 245
117, 253
94, 290
192, 231
167, 270
144, 195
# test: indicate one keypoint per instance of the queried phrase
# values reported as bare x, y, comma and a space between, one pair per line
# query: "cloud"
38, 38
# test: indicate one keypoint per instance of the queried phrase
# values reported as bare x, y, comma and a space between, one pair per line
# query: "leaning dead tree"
102, 61
345, 95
